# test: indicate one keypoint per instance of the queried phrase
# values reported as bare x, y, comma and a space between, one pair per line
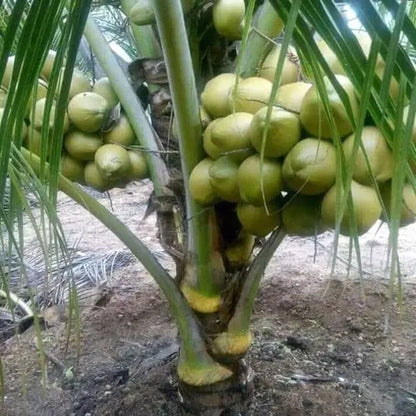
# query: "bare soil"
321, 345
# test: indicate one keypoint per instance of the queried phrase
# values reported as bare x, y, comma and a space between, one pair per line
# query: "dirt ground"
321, 345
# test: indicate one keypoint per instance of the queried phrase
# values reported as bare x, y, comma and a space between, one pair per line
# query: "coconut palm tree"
218, 264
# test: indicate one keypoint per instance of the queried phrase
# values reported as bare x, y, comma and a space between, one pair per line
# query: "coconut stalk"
203, 268
196, 366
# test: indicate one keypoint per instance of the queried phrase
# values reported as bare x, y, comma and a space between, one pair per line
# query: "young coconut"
228, 16
259, 180
313, 116
138, 166
33, 141
237, 254
408, 211
88, 111
310, 167
250, 95
72, 169
378, 153
104, 88
37, 114
223, 178
79, 84
200, 185
81, 145
256, 220
301, 215
121, 133
283, 131
290, 71
48, 65
231, 135
367, 209
211, 149
94, 179
214, 97
113, 162
290, 96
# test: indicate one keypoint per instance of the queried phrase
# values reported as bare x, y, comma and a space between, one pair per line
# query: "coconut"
312, 113
121, 133
104, 88
72, 169
301, 215
24, 128
94, 179
214, 97
310, 167
138, 166
228, 16
33, 141
378, 153
79, 84
112, 161
283, 131
88, 111
37, 114
200, 184
290, 71
250, 95
81, 145
256, 220
367, 208
8, 71
48, 65
259, 180
290, 96
38, 93
231, 135
211, 149
408, 211
237, 254
223, 178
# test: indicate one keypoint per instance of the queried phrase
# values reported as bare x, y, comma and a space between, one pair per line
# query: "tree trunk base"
229, 397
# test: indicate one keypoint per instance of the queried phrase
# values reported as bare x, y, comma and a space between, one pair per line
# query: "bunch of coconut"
101, 159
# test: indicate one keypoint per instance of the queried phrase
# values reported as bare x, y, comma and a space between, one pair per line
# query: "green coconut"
104, 88
121, 133
281, 133
200, 186
33, 141
301, 215
138, 166
250, 95
258, 180
367, 208
88, 111
48, 65
290, 96
223, 178
37, 114
378, 153
81, 145
79, 84
214, 97
256, 220
312, 113
237, 254
211, 149
228, 16
94, 179
290, 71
8, 71
408, 211
112, 161
231, 135
310, 167
72, 169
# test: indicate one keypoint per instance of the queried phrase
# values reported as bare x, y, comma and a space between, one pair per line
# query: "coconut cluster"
278, 166
101, 159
